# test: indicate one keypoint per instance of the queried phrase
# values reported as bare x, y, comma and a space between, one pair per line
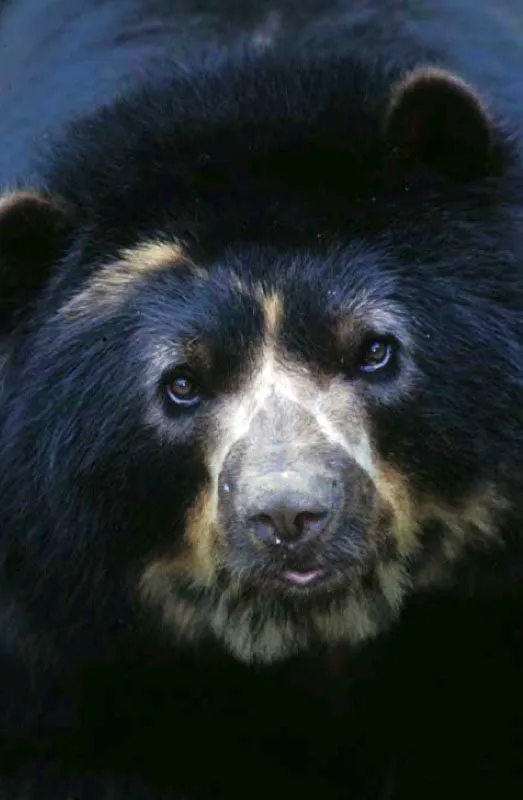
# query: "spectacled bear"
262, 395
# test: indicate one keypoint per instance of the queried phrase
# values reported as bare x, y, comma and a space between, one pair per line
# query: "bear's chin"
265, 629
270, 634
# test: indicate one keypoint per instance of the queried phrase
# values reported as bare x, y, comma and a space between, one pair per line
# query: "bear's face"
300, 527
273, 443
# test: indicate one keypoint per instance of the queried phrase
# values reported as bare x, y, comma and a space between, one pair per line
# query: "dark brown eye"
377, 353
183, 388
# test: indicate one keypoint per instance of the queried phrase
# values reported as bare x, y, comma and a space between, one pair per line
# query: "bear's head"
262, 370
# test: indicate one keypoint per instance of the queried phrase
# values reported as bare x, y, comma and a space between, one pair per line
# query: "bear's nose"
289, 520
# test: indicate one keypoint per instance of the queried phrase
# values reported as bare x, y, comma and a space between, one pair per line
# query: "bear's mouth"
304, 585
303, 577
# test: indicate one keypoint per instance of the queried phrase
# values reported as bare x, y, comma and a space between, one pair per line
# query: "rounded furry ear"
34, 230
436, 118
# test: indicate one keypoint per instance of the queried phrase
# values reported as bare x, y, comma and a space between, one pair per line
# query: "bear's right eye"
183, 388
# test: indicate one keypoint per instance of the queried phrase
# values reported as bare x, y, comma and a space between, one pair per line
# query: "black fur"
259, 140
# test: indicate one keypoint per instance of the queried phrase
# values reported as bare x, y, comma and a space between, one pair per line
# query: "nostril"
308, 522
265, 528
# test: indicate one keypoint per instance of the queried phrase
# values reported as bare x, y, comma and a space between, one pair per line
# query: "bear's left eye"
183, 388
376, 354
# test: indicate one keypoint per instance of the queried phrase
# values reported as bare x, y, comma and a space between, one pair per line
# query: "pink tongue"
301, 578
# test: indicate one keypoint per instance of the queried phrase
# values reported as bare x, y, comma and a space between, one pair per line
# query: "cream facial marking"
109, 286
335, 409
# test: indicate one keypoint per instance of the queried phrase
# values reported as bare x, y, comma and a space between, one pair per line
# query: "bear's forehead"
256, 289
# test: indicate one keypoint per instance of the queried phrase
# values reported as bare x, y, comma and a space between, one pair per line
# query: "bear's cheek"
448, 532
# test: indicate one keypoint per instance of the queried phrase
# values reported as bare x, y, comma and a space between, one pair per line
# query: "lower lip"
302, 578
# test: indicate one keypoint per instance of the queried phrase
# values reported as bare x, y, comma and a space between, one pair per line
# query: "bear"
262, 386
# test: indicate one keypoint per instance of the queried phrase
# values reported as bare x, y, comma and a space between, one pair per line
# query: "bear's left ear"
436, 118
34, 230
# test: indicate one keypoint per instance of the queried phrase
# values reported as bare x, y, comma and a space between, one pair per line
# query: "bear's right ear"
34, 230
